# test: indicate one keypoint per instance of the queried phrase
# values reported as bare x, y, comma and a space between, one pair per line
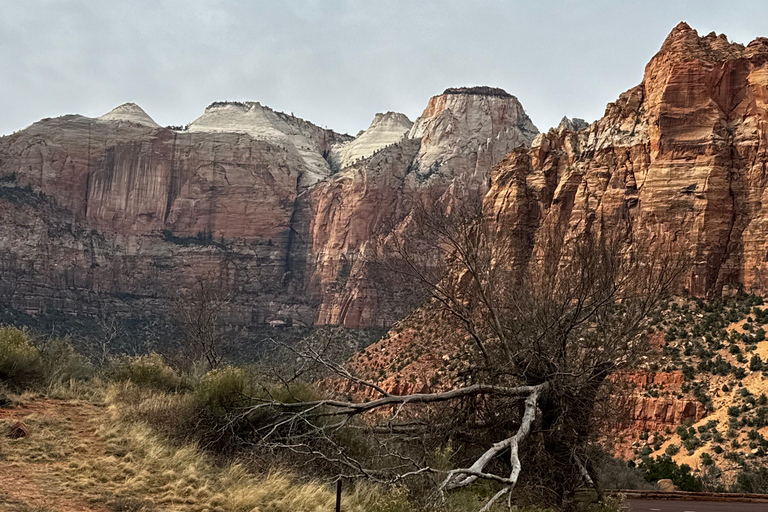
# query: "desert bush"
751, 480
613, 473
20, 362
61, 362
223, 391
149, 371
664, 467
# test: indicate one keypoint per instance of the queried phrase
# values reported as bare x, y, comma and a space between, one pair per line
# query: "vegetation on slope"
721, 349
138, 435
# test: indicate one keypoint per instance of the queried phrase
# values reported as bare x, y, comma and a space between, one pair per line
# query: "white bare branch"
463, 477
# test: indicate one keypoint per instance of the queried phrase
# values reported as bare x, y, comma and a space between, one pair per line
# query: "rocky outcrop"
466, 131
312, 143
116, 213
459, 137
683, 153
657, 414
385, 129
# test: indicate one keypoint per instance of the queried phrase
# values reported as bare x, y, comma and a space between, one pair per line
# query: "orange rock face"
117, 207
684, 152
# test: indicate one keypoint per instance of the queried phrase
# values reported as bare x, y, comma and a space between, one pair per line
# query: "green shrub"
62, 363
149, 371
752, 481
20, 362
223, 391
664, 467
672, 450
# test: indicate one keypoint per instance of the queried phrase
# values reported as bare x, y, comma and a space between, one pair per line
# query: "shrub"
664, 467
20, 363
149, 371
223, 391
692, 443
755, 364
61, 362
752, 481
672, 450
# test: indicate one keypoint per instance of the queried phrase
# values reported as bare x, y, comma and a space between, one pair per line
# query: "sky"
336, 62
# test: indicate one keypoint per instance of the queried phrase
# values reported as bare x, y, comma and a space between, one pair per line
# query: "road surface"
636, 505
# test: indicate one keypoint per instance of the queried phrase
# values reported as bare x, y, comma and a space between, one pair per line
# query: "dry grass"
89, 458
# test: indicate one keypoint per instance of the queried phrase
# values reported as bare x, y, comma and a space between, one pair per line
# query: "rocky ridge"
385, 129
683, 153
117, 214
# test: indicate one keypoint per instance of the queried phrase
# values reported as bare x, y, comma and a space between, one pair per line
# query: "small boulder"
665, 484
17, 430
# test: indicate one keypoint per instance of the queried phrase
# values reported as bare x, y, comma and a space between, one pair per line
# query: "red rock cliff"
684, 152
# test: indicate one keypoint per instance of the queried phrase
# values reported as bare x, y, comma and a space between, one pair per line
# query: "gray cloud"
335, 62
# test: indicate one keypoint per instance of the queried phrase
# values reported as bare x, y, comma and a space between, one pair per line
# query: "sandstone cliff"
164, 205
293, 206
117, 214
459, 137
684, 153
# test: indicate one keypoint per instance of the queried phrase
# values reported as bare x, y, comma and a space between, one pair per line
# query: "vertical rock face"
459, 137
118, 213
684, 152
468, 130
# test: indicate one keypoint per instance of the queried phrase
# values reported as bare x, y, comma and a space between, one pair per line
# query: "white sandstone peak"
385, 129
263, 123
131, 113
470, 124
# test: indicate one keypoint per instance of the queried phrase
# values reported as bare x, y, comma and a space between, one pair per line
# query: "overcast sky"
334, 62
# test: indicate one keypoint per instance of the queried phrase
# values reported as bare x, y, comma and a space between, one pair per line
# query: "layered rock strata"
683, 153
117, 212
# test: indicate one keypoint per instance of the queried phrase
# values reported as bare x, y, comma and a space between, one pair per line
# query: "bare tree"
198, 314
543, 323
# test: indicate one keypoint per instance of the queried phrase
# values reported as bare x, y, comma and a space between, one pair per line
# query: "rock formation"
683, 153
117, 214
119, 210
385, 129
459, 137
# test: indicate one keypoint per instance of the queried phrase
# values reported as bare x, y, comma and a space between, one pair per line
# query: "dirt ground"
33, 468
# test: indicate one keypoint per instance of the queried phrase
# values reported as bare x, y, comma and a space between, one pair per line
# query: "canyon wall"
118, 215
119, 211
683, 153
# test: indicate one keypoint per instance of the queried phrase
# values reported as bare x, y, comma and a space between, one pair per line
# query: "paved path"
636, 505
